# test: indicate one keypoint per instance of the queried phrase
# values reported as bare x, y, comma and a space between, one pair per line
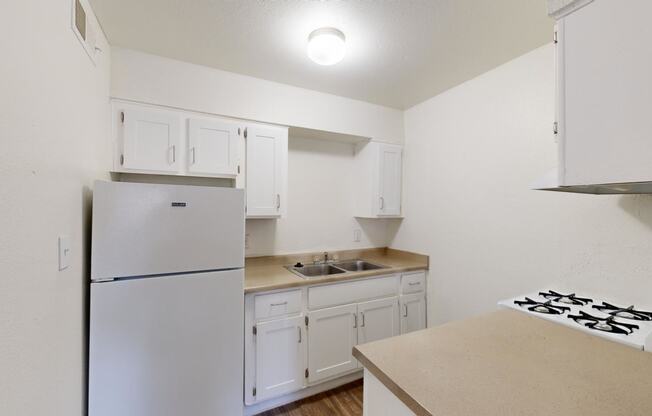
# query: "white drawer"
413, 282
277, 304
352, 292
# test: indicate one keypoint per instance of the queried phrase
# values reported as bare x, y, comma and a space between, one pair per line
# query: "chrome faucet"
324, 259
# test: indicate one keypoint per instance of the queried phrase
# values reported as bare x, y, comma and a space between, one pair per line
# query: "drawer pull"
414, 283
279, 304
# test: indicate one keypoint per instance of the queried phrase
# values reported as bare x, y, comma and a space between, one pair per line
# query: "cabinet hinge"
555, 127
122, 116
255, 330
253, 392
307, 373
306, 320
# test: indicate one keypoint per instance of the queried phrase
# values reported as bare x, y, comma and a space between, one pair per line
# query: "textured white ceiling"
400, 52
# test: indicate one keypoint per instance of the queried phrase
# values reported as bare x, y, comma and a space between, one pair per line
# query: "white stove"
624, 324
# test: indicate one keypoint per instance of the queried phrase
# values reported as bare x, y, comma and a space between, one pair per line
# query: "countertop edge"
401, 394
334, 279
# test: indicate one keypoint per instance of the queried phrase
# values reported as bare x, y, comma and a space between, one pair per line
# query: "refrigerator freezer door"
144, 229
167, 346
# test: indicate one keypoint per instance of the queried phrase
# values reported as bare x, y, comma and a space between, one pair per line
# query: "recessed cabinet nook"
156, 140
300, 341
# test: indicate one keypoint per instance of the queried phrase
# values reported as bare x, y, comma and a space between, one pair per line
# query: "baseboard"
257, 408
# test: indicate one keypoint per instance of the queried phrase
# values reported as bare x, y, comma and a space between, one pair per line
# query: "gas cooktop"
625, 324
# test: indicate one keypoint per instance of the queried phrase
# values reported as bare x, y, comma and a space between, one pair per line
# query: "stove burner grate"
625, 313
570, 299
603, 324
542, 307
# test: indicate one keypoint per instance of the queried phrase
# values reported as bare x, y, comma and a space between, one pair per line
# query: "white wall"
320, 205
156, 80
470, 155
54, 128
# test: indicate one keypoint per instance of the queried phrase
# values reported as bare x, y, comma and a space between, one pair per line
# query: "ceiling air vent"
84, 28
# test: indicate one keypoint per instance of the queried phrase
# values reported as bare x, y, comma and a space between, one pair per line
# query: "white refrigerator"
167, 301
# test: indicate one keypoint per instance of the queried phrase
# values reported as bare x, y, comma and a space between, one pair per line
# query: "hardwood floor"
342, 401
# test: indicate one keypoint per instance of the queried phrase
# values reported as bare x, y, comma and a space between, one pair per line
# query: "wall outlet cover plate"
64, 252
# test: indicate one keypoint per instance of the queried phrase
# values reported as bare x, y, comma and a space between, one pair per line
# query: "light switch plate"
64, 252
356, 236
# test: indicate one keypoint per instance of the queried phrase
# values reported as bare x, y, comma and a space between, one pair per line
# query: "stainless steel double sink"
326, 269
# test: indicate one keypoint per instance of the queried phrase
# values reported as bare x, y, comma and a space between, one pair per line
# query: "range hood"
550, 182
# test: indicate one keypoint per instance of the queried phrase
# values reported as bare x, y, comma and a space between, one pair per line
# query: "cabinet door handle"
406, 311
174, 153
414, 283
245, 132
299, 328
194, 157
355, 320
278, 201
382, 203
362, 314
279, 304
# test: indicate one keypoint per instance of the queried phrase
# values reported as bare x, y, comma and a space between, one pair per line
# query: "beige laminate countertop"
268, 273
507, 363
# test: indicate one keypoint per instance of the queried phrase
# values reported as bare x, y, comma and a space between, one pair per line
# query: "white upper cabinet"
266, 171
150, 141
605, 93
212, 147
390, 172
379, 180
280, 357
333, 332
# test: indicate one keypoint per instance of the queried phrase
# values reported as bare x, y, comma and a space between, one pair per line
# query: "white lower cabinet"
332, 335
280, 357
378, 319
413, 312
304, 338
333, 332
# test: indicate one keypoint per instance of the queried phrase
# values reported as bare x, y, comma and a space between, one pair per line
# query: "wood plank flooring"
342, 401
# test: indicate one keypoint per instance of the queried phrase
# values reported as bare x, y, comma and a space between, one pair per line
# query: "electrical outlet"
356, 236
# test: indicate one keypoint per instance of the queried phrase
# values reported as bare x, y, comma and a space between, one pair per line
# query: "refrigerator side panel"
167, 346
144, 229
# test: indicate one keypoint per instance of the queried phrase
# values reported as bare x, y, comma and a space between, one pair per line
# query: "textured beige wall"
470, 156
54, 132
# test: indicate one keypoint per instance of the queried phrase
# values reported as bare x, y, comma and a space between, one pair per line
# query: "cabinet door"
389, 187
151, 141
212, 147
280, 357
266, 171
605, 93
378, 319
332, 334
413, 312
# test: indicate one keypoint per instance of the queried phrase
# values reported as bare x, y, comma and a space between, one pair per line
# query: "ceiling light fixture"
326, 46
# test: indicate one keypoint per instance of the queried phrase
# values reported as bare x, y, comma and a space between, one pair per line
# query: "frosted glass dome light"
326, 46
